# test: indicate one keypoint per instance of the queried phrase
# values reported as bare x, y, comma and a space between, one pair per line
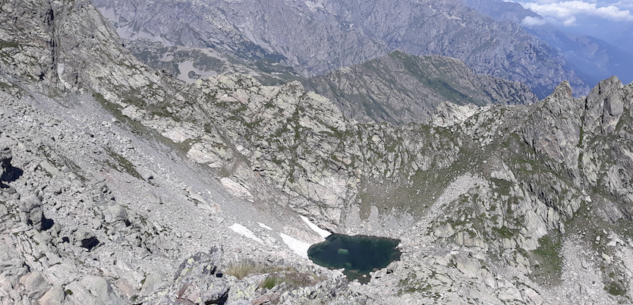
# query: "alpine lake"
358, 255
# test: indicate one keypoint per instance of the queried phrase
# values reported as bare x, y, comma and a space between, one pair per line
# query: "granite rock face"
316, 37
126, 175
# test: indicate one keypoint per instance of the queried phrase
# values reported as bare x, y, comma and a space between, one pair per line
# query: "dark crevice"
47, 223
9, 172
89, 243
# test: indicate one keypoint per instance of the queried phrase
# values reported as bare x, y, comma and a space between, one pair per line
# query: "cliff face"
400, 88
318, 37
117, 174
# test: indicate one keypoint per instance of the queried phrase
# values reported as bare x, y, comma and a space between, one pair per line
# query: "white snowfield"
316, 228
299, 247
240, 229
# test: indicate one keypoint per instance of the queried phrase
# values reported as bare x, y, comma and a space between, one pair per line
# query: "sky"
576, 12
609, 20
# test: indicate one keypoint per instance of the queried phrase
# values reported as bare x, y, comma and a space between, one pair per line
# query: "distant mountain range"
316, 37
591, 58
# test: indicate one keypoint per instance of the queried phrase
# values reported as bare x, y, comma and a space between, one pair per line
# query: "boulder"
152, 282
115, 212
5, 156
8, 172
85, 238
100, 288
3, 210
12, 265
36, 285
31, 206
195, 281
92, 290
54, 296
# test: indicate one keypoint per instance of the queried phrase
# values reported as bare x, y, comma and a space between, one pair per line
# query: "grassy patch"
276, 274
501, 186
615, 289
506, 232
293, 279
548, 266
243, 269
8, 44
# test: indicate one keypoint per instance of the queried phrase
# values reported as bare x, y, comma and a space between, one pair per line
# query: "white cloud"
570, 21
566, 12
530, 21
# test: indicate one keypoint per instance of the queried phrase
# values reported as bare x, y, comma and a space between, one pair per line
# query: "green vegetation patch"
548, 261
615, 289
243, 269
506, 232
501, 186
8, 44
276, 274
293, 280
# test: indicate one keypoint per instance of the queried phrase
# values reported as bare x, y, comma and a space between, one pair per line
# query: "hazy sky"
609, 20
572, 13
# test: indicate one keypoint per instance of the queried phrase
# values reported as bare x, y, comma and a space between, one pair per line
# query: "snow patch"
264, 226
316, 228
240, 229
297, 246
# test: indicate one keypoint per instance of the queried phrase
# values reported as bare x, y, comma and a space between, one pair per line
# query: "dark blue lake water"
359, 255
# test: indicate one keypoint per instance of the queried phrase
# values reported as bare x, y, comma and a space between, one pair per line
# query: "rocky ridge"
400, 88
506, 204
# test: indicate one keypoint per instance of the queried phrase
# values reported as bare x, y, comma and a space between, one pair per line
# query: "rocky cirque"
123, 186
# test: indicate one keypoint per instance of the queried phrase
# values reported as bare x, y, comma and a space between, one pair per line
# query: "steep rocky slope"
400, 88
118, 182
316, 37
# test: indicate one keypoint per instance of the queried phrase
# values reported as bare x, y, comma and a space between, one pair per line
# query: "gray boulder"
31, 206
12, 265
5, 156
54, 296
196, 282
92, 290
36, 285
85, 238
115, 212
153, 282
